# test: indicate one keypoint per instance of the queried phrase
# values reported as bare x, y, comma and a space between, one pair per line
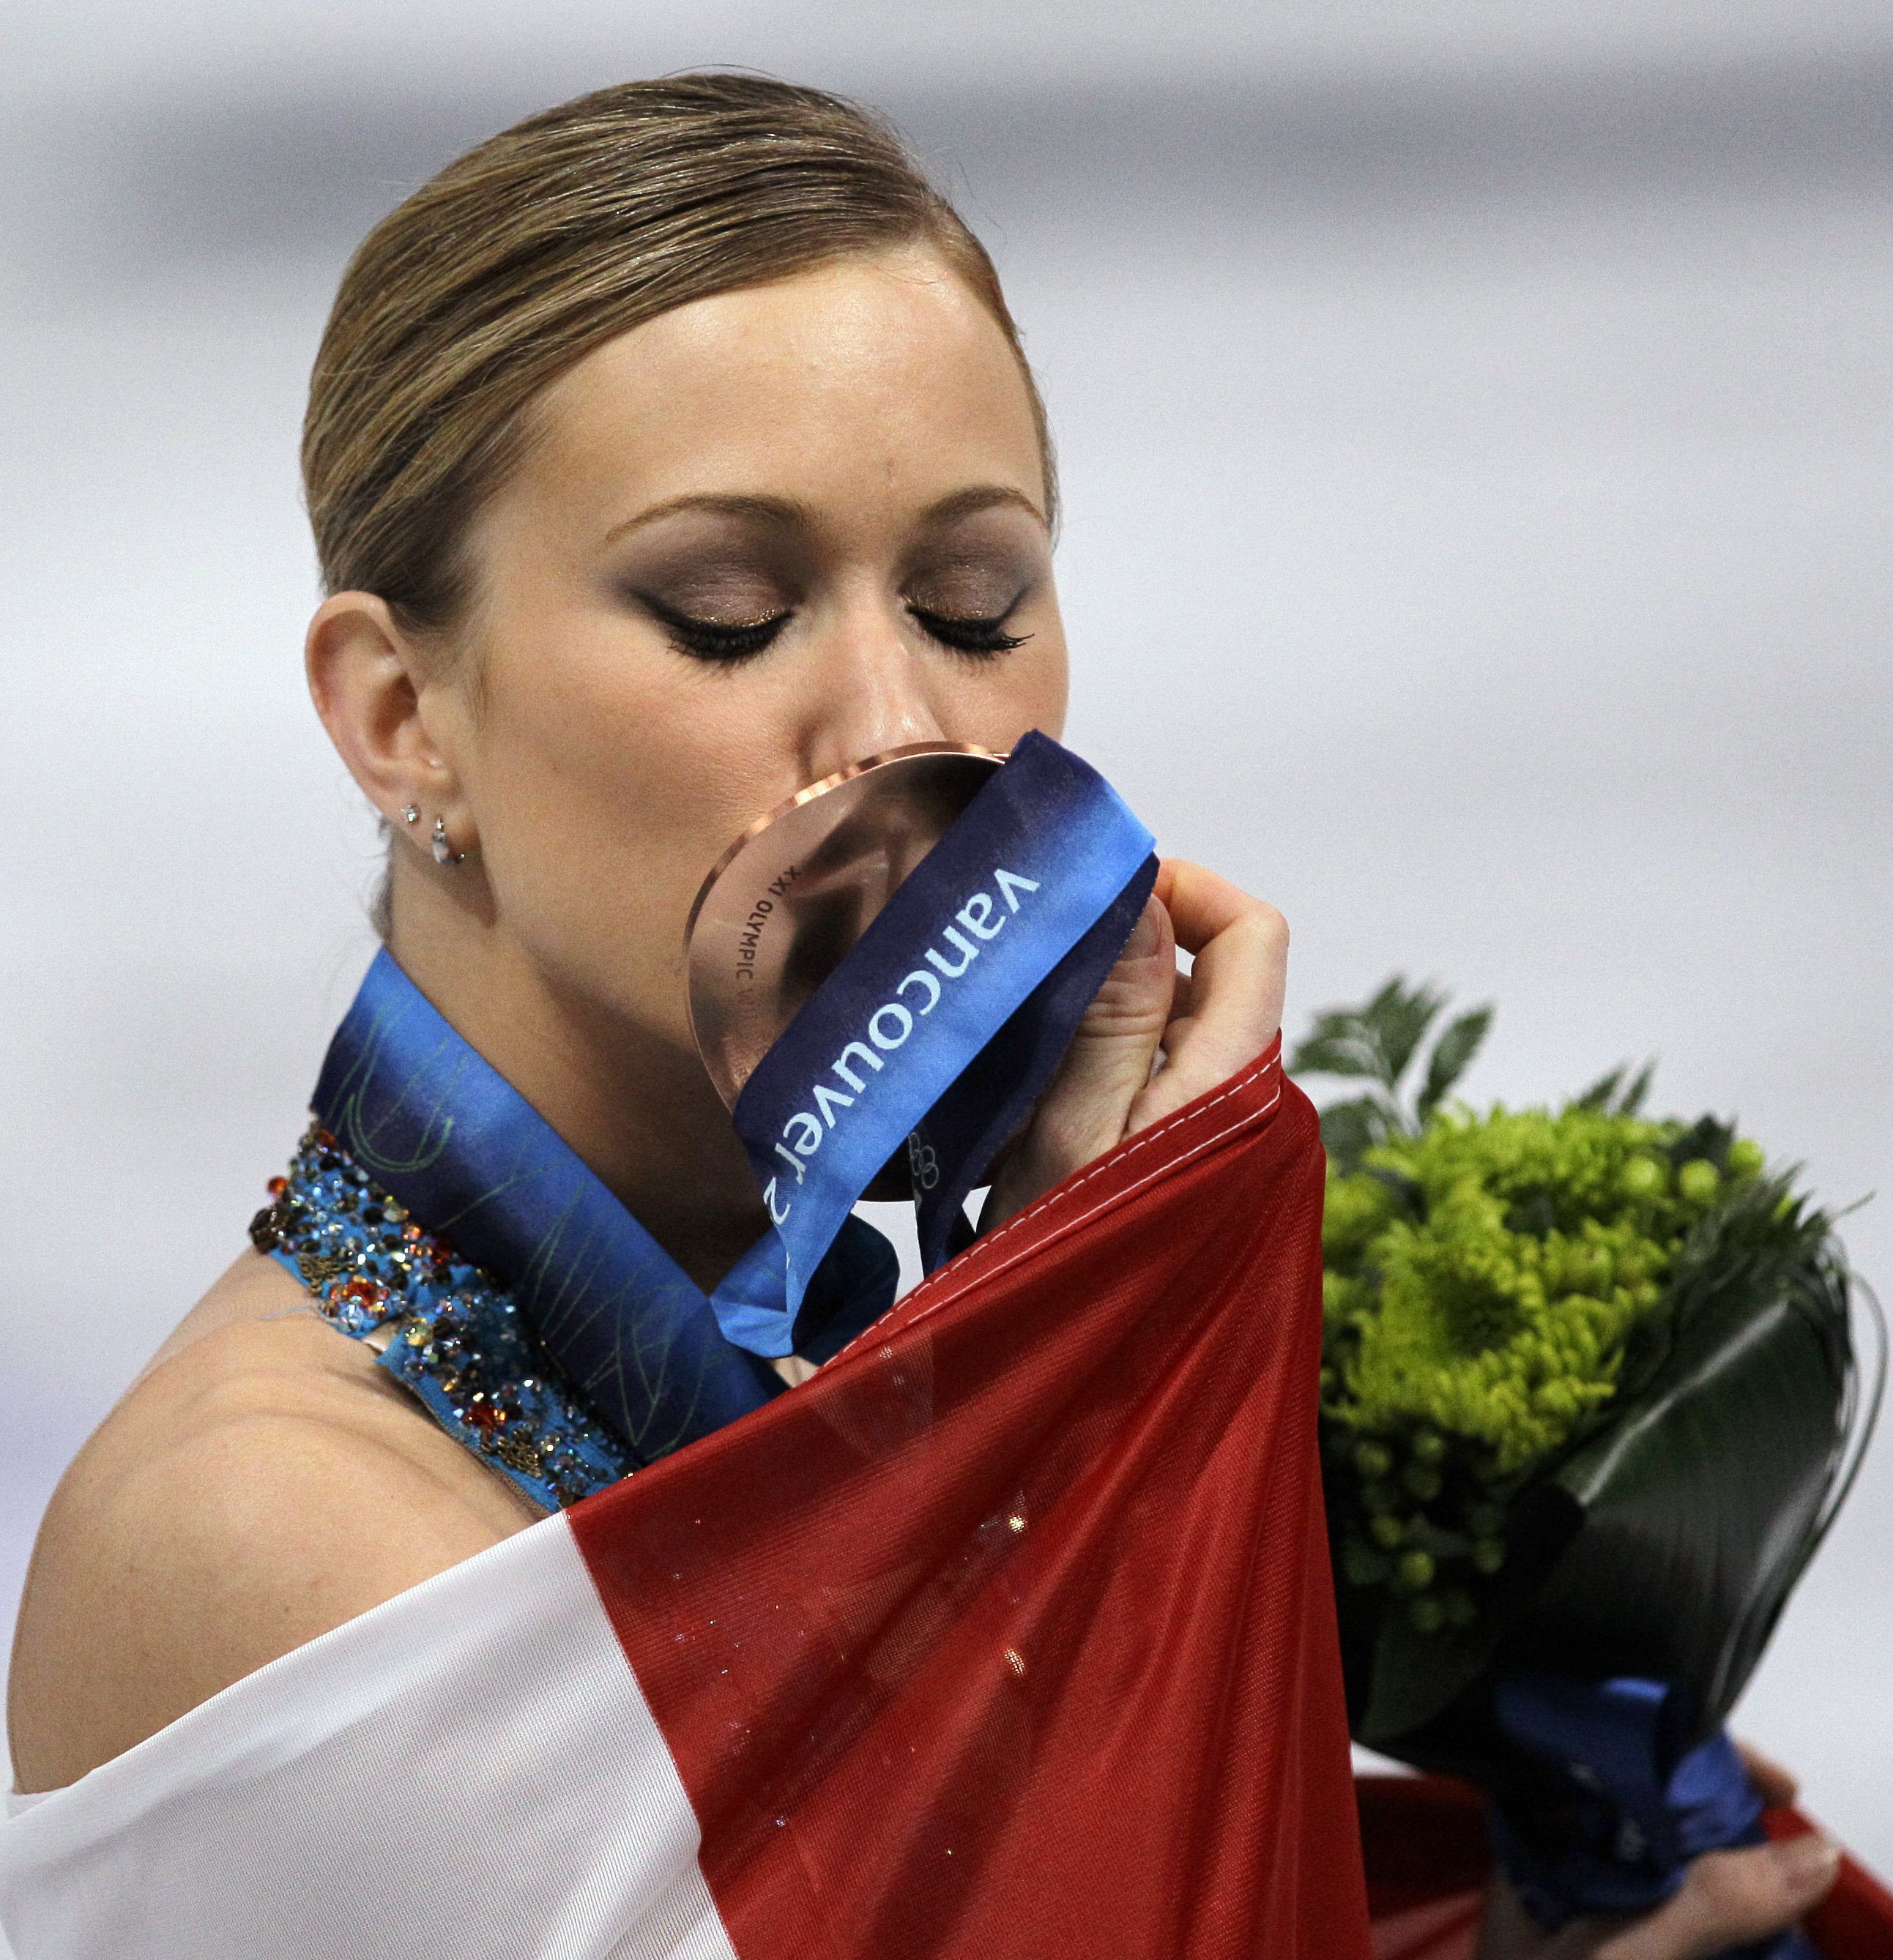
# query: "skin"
849, 454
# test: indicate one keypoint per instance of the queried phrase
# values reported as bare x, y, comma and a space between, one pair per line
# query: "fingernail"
1144, 935
1808, 1859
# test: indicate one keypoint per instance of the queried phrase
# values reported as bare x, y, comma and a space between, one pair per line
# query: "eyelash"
702, 639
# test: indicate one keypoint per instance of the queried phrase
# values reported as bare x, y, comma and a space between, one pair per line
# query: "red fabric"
1855, 1920
1011, 1632
1424, 1839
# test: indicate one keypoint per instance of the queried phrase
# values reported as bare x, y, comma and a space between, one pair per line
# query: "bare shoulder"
262, 1482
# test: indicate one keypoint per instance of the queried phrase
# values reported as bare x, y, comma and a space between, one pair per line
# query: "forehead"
876, 375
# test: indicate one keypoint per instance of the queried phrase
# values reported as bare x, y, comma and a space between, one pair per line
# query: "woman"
666, 453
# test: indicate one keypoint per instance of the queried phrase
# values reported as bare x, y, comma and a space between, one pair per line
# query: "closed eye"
718, 642
979, 637
714, 640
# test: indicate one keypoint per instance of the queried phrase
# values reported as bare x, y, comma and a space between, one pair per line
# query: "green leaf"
1376, 1040
1536, 1216
1707, 1138
1417, 1676
1604, 1095
1407, 1192
1437, 1539
1598, 1096
1701, 1492
1452, 1053
1362, 1565
1341, 1044
1631, 1101
1400, 1016
1349, 1129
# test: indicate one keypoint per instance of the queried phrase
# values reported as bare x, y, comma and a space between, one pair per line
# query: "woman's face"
764, 535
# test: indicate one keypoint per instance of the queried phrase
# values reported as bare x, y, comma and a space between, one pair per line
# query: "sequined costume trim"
452, 1336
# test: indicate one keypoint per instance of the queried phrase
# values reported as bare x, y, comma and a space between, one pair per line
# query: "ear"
382, 704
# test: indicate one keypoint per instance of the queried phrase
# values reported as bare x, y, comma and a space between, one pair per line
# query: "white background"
1473, 423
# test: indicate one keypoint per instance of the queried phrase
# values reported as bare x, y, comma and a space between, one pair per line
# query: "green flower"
1643, 1177
1488, 1316
1490, 1279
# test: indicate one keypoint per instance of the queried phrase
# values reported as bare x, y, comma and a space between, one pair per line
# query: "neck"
639, 1110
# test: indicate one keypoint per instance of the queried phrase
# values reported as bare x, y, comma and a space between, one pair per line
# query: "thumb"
1128, 1013
1083, 1111
1730, 1898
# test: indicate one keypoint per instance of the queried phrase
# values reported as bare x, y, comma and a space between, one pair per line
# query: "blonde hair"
549, 238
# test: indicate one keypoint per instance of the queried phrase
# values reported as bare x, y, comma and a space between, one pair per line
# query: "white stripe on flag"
468, 1770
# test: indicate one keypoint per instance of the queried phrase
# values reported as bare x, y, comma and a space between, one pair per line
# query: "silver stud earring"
410, 813
444, 852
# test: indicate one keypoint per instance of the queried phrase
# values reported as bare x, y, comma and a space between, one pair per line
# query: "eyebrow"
792, 510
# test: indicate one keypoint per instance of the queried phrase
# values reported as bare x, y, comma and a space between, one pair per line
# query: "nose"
871, 690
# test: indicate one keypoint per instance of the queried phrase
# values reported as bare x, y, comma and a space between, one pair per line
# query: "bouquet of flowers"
1590, 1398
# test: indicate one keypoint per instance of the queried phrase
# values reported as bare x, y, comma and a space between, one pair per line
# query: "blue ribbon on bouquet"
1637, 1802
939, 1028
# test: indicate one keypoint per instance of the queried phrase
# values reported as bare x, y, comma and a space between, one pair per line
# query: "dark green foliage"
1452, 1055
1605, 1095
1350, 1129
1378, 1042
1588, 1384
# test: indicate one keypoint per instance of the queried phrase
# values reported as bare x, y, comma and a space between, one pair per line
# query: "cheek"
589, 743
1029, 691
1051, 683
604, 793
608, 782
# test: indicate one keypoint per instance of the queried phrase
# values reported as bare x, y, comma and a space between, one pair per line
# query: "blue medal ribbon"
941, 1026
1635, 1800
997, 940
437, 1126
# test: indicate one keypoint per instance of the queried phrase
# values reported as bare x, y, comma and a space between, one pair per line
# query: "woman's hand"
1729, 1898
1195, 1028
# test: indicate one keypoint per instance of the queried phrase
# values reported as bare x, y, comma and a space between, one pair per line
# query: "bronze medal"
790, 897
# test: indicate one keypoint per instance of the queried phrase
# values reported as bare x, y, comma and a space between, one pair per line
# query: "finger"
1238, 947
1138, 993
1200, 903
1235, 1002
1109, 1059
1773, 1783
1730, 1898
1231, 1009
1176, 1028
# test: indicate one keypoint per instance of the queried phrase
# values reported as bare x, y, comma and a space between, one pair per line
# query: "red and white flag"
1011, 1633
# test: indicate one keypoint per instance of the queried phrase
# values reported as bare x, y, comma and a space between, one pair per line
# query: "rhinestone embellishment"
462, 1349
